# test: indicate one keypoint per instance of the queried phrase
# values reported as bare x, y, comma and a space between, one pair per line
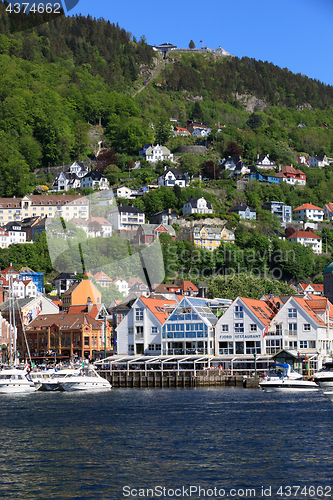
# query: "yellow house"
210, 237
81, 293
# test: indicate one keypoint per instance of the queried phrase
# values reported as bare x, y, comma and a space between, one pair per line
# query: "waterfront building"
84, 292
190, 328
77, 334
139, 332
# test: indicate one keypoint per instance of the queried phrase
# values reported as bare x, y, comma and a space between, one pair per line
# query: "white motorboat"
53, 383
324, 377
13, 380
329, 395
282, 378
40, 378
87, 380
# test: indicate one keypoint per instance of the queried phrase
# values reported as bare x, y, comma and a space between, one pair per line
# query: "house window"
273, 346
130, 347
138, 314
239, 312
239, 327
139, 332
130, 330
151, 347
312, 344
292, 313
303, 344
253, 327
292, 328
278, 330
306, 327
86, 341
226, 348
224, 328
154, 329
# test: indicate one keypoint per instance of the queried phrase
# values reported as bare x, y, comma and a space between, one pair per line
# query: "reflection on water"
88, 446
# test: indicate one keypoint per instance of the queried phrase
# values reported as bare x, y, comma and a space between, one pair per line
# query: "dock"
159, 379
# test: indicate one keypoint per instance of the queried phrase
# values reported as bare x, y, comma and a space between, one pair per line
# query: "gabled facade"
328, 211
4, 238
318, 161
95, 180
312, 288
209, 237
172, 177
306, 325
158, 153
163, 217
124, 192
309, 212
291, 176
84, 292
201, 132
190, 327
122, 286
244, 211
197, 206
140, 330
264, 162
241, 329
147, 233
103, 279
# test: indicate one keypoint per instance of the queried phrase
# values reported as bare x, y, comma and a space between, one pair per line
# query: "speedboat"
324, 377
282, 378
53, 382
13, 380
329, 395
87, 380
41, 378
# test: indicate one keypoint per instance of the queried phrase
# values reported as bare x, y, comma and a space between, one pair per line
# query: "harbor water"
224, 442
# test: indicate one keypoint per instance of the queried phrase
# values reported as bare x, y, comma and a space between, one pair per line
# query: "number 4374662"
36, 8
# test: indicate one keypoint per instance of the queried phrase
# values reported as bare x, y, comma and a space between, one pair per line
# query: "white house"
318, 161
309, 212
122, 286
4, 239
124, 192
307, 239
126, 218
156, 153
140, 330
30, 289
15, 233
95, 180
98, 226
201, 132
328, 211
241, 328
303, 325
197, 206
264, 162
173, 176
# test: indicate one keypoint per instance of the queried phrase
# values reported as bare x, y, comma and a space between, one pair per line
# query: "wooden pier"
165, 379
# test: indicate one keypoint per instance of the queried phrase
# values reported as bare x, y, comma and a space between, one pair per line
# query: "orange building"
69, 334
81, 293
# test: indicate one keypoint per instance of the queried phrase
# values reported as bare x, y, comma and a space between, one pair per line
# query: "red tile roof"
158, 307
307, 206
304, 234
260, 309
188, 286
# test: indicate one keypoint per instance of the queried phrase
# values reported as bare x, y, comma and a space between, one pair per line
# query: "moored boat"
13, 380
324, 377
282, 378
87, 380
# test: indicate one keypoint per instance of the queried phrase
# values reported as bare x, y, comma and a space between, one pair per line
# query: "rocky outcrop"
250, 102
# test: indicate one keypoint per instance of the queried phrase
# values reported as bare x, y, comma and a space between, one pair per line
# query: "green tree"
191, 45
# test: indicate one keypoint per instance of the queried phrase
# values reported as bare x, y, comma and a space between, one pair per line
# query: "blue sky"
293, 34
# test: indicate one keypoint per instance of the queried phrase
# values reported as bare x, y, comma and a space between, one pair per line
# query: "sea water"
166, 443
